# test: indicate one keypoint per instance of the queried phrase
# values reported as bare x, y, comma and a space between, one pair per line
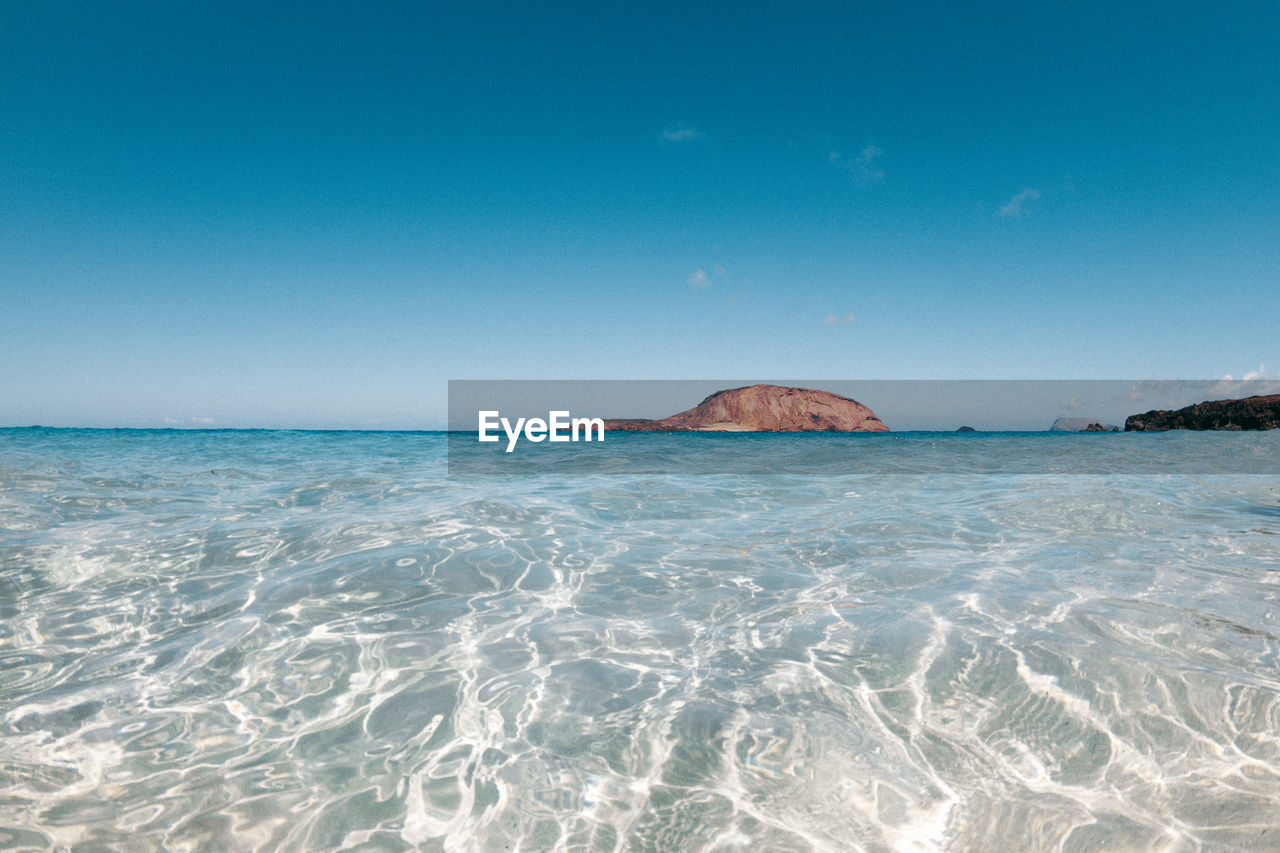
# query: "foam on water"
319, 641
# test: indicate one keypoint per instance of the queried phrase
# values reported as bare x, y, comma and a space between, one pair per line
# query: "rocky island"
1251, 413
764, 408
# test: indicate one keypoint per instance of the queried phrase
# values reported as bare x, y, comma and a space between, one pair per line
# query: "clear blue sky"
250, 215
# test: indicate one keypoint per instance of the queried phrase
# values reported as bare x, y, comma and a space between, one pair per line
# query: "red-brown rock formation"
765, 408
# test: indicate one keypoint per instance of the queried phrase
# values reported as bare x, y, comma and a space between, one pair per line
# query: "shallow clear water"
313, 641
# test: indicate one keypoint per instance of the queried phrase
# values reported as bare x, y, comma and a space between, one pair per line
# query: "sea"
276, 640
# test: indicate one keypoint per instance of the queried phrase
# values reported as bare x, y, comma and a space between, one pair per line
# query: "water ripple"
266, 641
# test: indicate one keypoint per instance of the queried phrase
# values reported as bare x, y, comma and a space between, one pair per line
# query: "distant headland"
1250, 413
764, 408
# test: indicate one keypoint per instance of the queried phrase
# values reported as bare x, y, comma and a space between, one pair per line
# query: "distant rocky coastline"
777, 408
764, 408
1082, 425
1250, 413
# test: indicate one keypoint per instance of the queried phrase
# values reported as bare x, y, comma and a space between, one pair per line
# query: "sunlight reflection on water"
318, 641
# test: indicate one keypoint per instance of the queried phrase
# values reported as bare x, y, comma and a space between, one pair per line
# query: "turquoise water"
321, 641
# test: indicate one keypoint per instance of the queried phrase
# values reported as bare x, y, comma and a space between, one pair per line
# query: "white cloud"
194, 420
1013, 207
833, 320
862, 166
701, 278
1249, 376
1260, 373
1176, 393
1145, 388
1252, 383
681, 133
